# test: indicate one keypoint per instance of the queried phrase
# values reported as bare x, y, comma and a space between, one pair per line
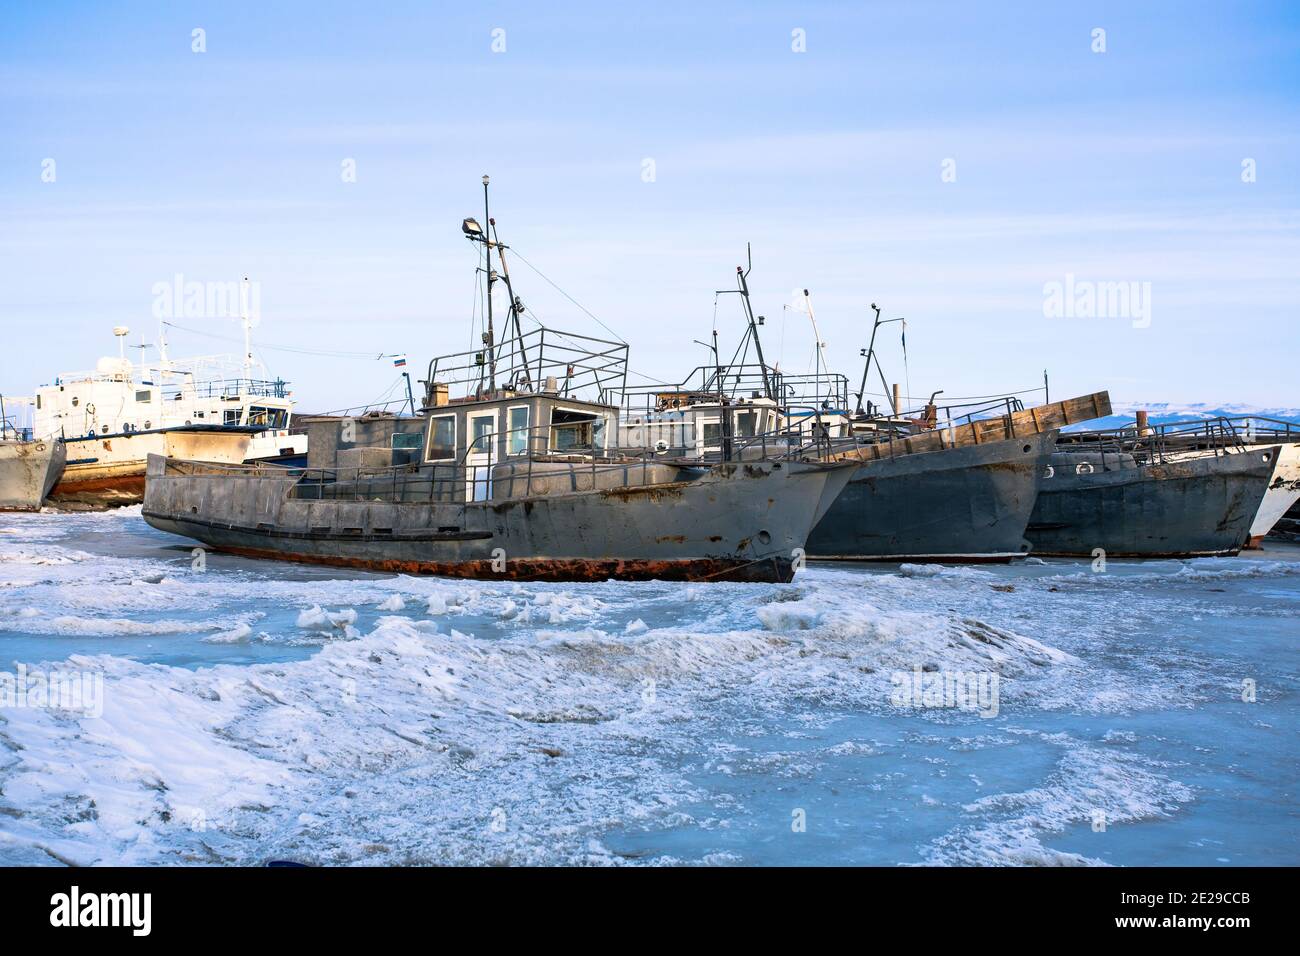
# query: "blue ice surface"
1148, 722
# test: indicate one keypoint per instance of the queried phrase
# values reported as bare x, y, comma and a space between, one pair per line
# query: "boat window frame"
491, 438
510, 429
600, 418
737, 431
428, 437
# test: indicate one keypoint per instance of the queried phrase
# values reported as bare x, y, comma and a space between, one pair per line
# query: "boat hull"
1192, 507
735, 522
28, 470
109, 471
964, 504
1282, 494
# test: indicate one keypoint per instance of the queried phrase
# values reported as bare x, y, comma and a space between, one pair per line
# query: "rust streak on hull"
768, 570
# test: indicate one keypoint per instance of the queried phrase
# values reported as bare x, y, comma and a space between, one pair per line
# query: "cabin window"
144, 396
442, 438
746, 424
268, 417
232, 416
75, 401
712, 434
481, 429
573, 430
517, 442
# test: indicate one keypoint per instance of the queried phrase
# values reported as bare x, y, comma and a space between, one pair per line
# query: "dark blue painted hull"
1188, 508
958, 504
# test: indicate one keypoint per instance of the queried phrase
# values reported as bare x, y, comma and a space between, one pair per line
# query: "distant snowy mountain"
1163, 413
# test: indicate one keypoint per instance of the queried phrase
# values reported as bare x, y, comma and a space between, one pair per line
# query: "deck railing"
578, 366
1161, 443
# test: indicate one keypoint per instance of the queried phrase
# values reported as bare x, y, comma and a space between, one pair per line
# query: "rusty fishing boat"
29, 467
963, 492
1152, 492
516, 475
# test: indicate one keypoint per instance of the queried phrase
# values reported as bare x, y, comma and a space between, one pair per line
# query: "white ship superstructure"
211, 408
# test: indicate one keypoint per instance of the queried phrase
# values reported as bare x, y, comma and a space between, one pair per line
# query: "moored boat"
28, 467
1238, 433
108, 470
113, 418
955, 504
516, 475
28, 470
1146, 497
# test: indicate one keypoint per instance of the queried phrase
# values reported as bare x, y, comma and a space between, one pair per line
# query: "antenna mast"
489, 337
248, 330
870, 353
742, 277
819, 352
751, 332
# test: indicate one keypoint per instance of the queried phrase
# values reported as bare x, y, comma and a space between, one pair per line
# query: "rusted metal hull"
964, 504
1187, 508
554, 569
28, 470
733, 522
109, 471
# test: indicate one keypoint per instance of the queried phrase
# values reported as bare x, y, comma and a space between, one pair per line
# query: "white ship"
111, 419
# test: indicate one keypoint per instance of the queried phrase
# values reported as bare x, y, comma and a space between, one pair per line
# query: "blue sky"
1122, 166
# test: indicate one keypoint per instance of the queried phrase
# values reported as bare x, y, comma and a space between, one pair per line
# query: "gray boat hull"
1188, 508
28, 470
734, 522
967, 504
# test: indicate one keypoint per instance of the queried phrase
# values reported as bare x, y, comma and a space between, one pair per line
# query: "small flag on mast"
399, 361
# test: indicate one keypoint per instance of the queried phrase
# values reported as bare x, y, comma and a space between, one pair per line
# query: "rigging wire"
952, 399
546, 279
907, 372
329, 353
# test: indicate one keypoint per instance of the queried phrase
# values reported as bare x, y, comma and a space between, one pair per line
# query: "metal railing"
230, 389
1157, 444
578, 366
711, 385
10, 430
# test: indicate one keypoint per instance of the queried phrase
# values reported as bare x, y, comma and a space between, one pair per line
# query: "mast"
870, 353
516, 306
489, 337
742, 276
248, 334
819, 356
751, 331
